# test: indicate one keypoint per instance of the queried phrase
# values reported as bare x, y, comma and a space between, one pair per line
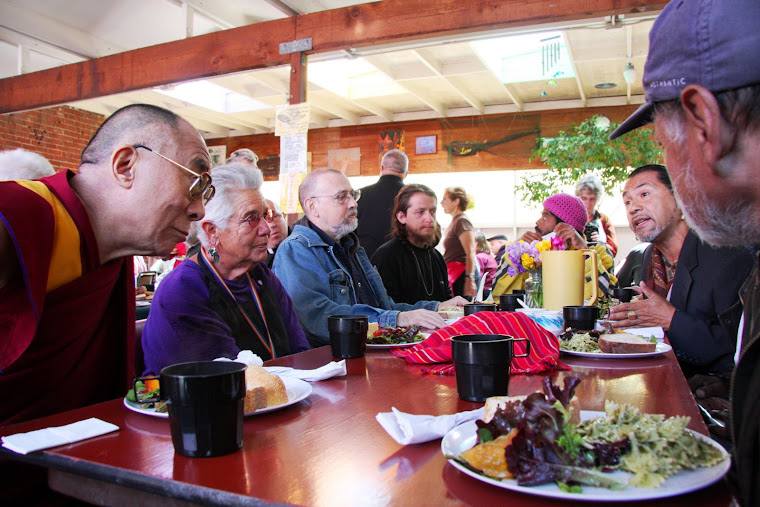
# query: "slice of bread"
623, 343
500, 402
255, 398
496, 402
452, 312
263, 387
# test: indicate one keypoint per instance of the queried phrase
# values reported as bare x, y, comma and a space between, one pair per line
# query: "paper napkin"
331, 369
414, 429
246, 357
24, 443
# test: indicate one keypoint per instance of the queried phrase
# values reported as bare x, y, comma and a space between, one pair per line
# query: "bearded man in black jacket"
411, 268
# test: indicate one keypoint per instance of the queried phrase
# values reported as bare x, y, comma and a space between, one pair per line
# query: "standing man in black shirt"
377, 201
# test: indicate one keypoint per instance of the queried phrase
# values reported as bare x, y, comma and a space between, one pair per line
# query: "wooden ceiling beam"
334, 109
257, 46
578, 83
432, 63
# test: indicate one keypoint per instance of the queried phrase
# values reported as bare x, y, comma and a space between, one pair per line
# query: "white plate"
396, 345
464, 437
660, 349
296, 389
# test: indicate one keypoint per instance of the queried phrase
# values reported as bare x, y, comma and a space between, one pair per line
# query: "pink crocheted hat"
569, 209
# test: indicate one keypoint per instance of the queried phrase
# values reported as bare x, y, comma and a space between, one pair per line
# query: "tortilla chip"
489, 457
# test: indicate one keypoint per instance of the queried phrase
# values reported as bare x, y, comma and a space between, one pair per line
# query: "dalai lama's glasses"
201, 187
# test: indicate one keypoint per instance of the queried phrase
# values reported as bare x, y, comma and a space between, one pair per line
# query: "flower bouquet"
525, 258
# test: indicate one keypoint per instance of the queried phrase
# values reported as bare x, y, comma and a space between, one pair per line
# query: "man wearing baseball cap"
564, 216
498, 243
702, 88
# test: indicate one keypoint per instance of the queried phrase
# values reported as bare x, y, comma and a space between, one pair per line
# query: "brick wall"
58, 133
514, 154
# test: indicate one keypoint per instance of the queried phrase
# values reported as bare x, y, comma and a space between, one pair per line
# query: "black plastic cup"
518, 291
348, 335
482, 362
205, 401
580, 318
509, 303
624, 295
471, 308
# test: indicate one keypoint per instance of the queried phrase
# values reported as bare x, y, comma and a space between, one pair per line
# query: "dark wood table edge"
154, 485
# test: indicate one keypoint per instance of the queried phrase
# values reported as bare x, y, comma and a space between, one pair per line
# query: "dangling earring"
214, 254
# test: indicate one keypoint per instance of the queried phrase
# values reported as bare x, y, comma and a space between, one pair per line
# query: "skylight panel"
529, 57
212, 96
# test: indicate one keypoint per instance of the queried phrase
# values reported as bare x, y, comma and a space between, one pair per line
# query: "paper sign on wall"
292, 119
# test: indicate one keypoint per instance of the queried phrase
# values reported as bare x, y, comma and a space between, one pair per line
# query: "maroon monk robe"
73, 345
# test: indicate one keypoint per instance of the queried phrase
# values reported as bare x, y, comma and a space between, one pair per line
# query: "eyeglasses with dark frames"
342, 197
201, 188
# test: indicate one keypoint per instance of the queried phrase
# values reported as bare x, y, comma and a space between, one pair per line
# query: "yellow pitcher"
564, 278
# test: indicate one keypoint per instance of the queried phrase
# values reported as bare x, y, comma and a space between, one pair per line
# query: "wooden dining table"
329, 450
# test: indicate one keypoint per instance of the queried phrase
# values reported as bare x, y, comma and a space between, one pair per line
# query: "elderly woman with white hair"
599, 229
20, 164
224, 299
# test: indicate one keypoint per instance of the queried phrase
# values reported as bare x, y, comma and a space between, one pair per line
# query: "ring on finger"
632, 315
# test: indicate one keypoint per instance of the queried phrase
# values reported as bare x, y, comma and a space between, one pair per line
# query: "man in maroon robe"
66, 247
66, 276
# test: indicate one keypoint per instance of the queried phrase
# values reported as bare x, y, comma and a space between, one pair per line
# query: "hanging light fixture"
629, 74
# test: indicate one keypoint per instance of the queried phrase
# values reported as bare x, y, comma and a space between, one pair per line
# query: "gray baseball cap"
712, 43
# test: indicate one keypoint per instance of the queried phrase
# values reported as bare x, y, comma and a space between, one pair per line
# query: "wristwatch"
472, 275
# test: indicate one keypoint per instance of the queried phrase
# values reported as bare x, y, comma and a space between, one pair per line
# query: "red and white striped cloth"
544, 346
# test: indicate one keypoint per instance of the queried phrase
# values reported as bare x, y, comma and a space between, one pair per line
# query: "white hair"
244, 156
396, 161
228, 179
591, 183
20, 164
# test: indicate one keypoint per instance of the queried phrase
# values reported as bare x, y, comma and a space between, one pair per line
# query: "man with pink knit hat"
564, 216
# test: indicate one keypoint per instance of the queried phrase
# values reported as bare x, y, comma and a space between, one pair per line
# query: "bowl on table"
551, 320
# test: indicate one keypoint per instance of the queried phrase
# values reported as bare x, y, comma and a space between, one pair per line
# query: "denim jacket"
320, 286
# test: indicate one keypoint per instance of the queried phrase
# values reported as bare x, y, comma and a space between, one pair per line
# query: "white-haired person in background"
224, 299
20, 164
244, 156
599, 229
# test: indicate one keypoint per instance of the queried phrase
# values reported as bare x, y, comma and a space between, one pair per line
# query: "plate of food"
264, 394
394, 337
590, 460
598, 345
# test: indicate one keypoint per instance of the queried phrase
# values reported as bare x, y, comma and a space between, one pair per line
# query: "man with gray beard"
702, 88
326, 272
691, 288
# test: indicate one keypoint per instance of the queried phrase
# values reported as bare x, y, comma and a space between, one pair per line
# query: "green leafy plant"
585, 149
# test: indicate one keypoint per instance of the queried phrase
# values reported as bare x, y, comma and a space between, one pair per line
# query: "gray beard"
729, 224
346, 227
